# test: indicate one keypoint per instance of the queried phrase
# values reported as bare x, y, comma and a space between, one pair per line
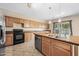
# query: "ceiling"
43, 11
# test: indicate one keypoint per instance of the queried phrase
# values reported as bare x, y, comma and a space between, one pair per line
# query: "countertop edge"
59, 39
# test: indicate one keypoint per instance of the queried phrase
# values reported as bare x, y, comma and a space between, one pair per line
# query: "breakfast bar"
52, 46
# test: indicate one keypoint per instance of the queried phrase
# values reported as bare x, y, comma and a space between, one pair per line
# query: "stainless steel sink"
55, 36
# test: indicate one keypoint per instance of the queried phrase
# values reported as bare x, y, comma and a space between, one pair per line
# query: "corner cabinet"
8, 21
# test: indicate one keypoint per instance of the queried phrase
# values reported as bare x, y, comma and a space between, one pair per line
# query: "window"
62, 29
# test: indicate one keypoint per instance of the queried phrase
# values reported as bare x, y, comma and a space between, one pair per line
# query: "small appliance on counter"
18, 36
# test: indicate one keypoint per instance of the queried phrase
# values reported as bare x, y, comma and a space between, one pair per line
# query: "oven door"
19, 36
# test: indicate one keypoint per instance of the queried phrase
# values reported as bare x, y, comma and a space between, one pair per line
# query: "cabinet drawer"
58, 51
62, 44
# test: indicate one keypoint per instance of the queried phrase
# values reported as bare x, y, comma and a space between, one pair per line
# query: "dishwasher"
38, 43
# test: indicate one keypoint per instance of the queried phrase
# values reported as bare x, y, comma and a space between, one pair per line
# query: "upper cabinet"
33, 24
21, 21
24, 22
8, 21
16, 20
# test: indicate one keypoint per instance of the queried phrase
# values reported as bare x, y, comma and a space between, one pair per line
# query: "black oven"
18, 36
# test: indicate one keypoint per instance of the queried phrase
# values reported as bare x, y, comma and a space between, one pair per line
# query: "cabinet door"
26, 23
46, 49
59, 48
44, 25
58, 51
46, 46
21, 21
32, 24
29, 36
9, 39
16, 20
8, 21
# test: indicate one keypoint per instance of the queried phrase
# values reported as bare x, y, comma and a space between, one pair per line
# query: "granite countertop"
74, 41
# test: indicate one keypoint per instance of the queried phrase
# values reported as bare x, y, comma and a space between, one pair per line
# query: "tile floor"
23, 49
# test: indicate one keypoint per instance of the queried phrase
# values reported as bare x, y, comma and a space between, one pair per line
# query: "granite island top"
73, 40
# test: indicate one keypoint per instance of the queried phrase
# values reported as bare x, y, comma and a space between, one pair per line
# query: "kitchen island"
51, 46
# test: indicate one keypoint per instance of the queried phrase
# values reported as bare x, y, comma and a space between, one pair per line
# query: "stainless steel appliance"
2, 33
1, 37
38, 42
18, 36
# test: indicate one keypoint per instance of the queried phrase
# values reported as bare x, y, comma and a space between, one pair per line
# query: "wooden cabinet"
21, 21
61, 44
28, 36
9, 39
16, 20
8, 21
46, 46
44, 25
59, 48
58, 51
35, 24
32, 24
55, 47
26, 23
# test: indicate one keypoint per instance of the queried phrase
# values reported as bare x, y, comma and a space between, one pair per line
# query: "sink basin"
55, 36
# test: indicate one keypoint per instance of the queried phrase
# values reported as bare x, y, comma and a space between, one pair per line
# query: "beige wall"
75, 23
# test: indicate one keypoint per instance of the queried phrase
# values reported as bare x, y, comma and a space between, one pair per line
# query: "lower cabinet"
46, 46
58, 51
53, 47
46, 49
9, 39
59, 48
28, 36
